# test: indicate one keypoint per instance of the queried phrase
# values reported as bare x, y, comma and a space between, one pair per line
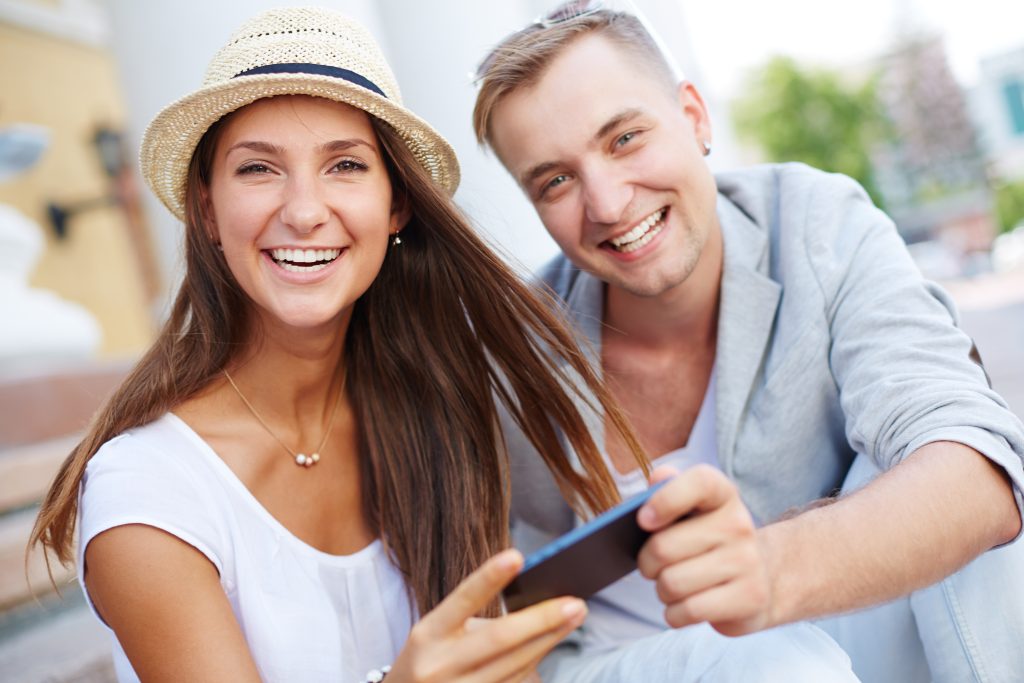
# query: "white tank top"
629, 608
307, 615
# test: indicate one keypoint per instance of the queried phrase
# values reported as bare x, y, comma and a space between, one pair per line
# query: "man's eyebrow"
616, 121
535, 172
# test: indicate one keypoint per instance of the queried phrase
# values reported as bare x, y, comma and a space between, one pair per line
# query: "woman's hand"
449, 644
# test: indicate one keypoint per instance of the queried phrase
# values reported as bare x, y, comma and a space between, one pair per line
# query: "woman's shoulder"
156, 475
163, 446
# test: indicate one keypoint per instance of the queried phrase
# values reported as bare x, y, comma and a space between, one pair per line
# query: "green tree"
1010, 204
794, 113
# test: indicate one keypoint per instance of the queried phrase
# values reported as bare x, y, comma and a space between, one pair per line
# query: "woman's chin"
327, 321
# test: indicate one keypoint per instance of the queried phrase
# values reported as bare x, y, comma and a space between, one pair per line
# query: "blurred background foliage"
813, 115
1010, 204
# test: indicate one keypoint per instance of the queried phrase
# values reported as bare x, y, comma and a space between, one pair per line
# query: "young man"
768, 325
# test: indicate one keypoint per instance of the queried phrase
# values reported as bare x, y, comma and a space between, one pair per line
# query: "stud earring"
707, 147
395, 240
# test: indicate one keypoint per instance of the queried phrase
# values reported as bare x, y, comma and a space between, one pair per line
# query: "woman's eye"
253, 168
350, 165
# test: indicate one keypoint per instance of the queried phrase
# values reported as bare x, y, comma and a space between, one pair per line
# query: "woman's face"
300, 201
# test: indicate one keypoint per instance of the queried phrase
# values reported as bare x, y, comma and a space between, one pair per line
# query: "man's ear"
693, 108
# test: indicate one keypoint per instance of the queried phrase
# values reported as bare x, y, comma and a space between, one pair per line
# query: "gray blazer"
830, 344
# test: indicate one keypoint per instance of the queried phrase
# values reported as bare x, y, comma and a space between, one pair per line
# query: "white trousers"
798, 653
968, 628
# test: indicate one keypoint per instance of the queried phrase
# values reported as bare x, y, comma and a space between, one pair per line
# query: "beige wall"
71, 89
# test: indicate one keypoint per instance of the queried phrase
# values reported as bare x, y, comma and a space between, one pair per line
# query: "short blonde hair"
520, 60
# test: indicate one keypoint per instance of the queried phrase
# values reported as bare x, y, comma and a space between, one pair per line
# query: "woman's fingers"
518, 663
513, 631
473, 594
450, 643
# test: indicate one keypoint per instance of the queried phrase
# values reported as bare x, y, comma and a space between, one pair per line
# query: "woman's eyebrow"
256, 146
342, 145
328, 147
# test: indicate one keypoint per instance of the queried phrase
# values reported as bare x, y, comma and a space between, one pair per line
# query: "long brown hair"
444, 331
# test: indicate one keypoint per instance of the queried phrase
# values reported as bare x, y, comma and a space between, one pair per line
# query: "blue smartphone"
585, 560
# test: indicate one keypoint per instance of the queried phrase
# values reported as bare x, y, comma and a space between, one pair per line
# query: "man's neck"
688, 311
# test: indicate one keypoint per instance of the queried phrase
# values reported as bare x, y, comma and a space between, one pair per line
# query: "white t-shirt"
307, 615
629, 608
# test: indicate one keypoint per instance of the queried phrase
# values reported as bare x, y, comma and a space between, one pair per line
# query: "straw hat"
288, 51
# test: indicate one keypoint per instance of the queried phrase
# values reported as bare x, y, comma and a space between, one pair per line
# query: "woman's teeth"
304, 260
640, 235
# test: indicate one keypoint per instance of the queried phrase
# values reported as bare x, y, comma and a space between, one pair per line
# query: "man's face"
612, 158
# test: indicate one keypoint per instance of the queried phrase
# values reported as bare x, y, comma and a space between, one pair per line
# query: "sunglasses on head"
566, 11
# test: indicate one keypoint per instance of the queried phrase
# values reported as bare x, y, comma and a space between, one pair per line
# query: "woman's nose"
304, 208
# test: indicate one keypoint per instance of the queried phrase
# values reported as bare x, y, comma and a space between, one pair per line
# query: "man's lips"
639, 235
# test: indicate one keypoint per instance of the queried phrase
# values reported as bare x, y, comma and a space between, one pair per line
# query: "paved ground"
992, 310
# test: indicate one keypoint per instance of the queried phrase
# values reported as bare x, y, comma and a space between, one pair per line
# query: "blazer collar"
749, 300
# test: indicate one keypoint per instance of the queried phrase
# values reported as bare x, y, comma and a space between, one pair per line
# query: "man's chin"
645, 288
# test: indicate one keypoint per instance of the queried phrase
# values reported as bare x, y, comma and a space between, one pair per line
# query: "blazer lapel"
749, 299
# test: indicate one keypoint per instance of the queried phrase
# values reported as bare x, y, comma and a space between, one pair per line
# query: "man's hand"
709, 566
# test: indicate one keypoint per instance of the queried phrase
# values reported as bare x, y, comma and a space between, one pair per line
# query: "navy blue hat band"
316, 70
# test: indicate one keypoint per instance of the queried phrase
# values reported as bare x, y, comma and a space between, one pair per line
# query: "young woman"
308, 458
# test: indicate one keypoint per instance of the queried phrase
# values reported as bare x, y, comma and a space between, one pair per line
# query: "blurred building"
56, 72
931, 170
997, 104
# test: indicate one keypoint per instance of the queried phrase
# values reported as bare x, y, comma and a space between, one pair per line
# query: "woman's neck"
294, 374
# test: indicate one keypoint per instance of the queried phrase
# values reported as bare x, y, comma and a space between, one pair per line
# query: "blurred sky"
730, 36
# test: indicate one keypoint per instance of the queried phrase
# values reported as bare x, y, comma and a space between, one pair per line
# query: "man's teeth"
641, 234
304, 260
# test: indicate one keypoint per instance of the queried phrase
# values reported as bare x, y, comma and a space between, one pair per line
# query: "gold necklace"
301, 459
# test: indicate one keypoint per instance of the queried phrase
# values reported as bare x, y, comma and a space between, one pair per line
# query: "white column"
435, 46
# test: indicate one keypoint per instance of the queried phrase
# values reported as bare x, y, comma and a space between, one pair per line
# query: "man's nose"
304, 208
605, 195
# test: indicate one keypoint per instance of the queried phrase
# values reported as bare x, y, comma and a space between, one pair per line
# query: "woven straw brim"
171, 138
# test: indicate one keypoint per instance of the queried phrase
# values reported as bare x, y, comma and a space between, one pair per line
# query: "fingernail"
646, 516
508, 559
572, 608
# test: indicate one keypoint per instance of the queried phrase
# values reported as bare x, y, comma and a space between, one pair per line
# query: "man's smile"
639, 235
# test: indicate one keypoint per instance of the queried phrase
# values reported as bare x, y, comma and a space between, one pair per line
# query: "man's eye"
625, 138
555, 182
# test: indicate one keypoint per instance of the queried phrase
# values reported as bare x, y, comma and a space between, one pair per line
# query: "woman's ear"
401, 212
206, 212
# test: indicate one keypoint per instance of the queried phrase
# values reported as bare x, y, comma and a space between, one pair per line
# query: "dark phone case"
585, 560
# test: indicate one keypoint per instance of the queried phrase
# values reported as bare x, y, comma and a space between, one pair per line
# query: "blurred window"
1015, 101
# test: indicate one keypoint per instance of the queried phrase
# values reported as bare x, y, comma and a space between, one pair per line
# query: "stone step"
51, 402
26, 471
15, 587
55, 641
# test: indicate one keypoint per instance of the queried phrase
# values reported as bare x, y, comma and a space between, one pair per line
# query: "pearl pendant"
304, 460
